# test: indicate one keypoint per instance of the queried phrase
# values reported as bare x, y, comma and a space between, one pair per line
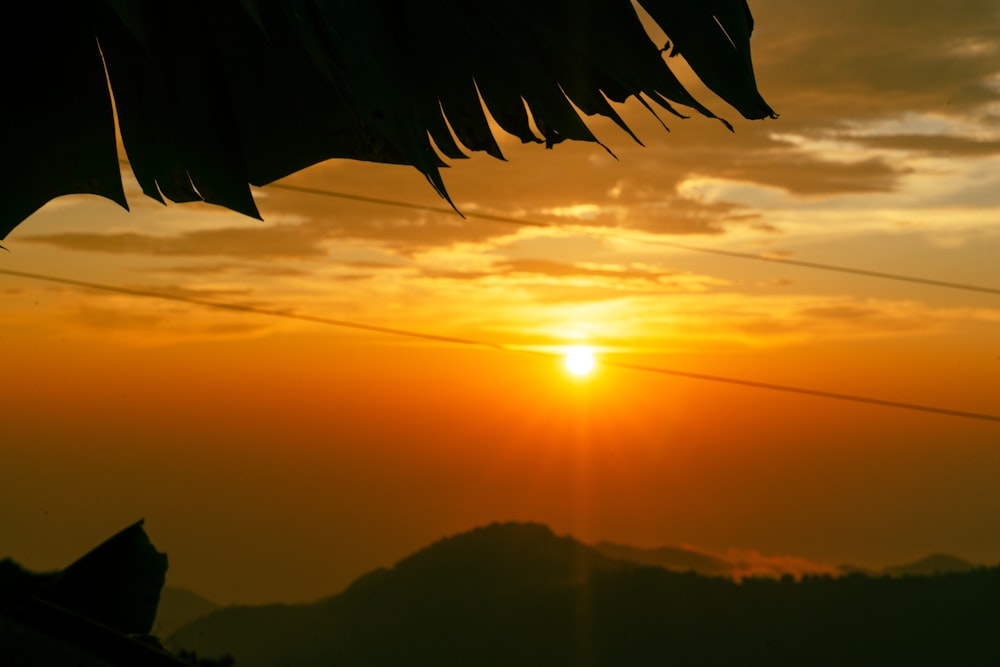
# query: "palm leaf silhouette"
212, 97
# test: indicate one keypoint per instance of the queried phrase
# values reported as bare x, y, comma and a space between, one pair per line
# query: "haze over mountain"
178, 607
736, 564
930, 566
518, 594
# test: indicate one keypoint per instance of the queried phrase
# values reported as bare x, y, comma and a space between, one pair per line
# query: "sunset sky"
275, 459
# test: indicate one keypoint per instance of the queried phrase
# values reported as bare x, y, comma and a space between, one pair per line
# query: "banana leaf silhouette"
212, 97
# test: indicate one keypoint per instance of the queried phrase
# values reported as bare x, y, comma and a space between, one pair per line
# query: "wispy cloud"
276, 242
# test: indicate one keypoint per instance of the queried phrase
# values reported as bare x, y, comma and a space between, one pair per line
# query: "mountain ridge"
519, 594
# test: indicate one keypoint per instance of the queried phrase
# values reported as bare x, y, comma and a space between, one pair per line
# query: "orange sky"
276, 459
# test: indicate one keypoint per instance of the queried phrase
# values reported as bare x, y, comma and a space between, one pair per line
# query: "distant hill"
475, 583
517, 594
931, 565
178, 607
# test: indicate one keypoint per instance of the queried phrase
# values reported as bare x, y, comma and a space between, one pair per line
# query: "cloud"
223, 268
104, 318
834, 72
548, 294
864, 59
404, 234
549, 282
400, 229
938, 145
267, 242
153, 325
545, 267
799, 318
725, 320
801, 174
226, 294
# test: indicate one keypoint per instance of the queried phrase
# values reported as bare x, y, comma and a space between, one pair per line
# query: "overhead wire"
645, 240
257, 310
241, 308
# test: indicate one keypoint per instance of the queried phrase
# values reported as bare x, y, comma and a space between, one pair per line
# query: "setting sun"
579, 360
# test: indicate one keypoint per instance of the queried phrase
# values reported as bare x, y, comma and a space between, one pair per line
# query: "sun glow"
579, 360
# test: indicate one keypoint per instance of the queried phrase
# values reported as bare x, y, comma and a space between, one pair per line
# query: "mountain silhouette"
930, 565
517, 594
514, 578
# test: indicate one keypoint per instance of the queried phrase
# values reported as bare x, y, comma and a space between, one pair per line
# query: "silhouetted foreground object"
97, 612
516, 594
118, 583
213, 96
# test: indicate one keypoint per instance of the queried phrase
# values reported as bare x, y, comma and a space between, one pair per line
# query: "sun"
579, 360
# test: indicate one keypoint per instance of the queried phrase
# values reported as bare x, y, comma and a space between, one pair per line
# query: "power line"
255, 310
819, 393
144, 293
917, 280
409, 205
520, 222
